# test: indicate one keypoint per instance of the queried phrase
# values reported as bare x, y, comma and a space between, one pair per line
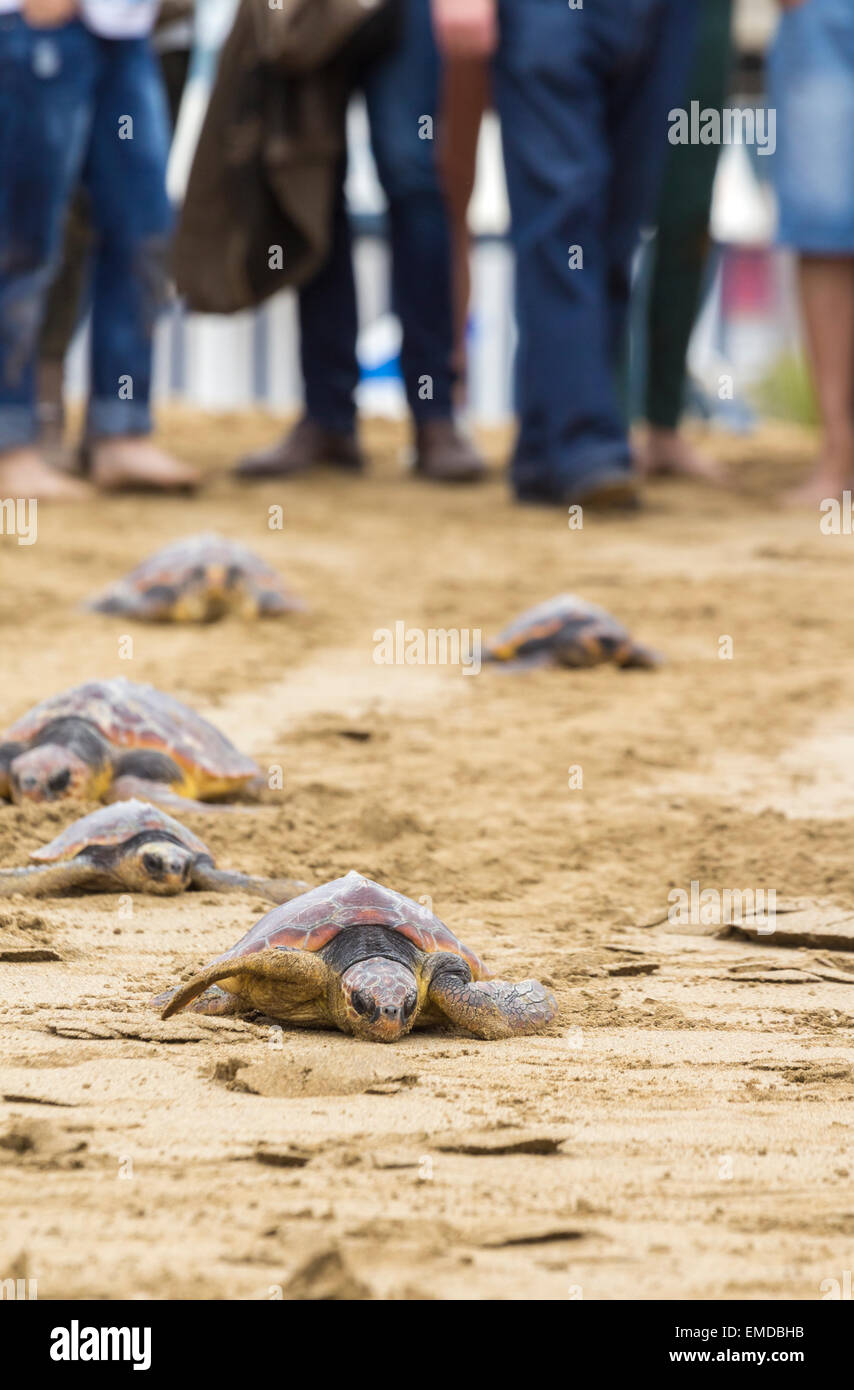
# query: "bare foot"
831, 476
133, 463
823, 483
24, 473
668, 454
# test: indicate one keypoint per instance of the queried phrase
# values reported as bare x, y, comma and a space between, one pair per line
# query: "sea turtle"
110, 740
568, 631
361, 957
132, 846
197, 580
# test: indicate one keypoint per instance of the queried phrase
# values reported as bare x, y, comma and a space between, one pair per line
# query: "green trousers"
682, 241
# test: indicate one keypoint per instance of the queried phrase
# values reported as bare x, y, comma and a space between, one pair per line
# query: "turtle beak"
166, 868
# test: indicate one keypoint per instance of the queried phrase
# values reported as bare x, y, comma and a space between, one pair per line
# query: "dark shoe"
300, 449
608, 489
445, 455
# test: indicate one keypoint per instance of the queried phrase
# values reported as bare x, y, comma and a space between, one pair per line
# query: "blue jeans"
583, 97
399, 91
75, 107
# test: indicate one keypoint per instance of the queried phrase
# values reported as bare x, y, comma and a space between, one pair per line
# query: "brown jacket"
268, 160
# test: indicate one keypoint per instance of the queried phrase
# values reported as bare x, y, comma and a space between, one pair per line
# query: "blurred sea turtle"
132, 846
115, 739
197, 580
354, 955
568, 631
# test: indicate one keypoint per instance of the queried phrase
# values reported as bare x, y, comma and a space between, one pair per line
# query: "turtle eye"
362, 1004
152, 863
409, 1005
59, 781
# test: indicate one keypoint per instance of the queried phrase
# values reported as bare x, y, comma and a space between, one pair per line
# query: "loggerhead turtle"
110, 740
354, 955
197, 580
136, 847
568, 631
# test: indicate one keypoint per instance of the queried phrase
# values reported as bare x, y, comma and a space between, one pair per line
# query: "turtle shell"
176, 562
309, 922
535, 630
113, 825
130, 715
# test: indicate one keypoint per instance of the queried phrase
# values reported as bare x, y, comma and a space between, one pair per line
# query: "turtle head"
157, 865
376, 999
51, 772
203, 595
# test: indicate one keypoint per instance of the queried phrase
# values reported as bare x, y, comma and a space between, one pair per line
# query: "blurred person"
81, 101
583, 95
679, 257
811, 85
400, 90
173, 40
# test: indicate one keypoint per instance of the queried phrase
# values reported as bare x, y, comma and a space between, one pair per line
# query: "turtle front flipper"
278, 890
256, 978
52, 880
154, 604
213, 1000
639, 658
492, 1008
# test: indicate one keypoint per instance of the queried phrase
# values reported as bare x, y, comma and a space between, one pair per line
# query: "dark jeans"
399, 91
584, 97
66, 99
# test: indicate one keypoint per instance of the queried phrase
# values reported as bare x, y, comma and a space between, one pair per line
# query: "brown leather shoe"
445, 455
299, 449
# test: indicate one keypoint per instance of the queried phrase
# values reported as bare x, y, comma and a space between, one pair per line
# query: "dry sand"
684, 1128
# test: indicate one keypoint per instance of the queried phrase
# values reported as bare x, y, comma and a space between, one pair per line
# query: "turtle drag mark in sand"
357, 956
114, 740
134, 847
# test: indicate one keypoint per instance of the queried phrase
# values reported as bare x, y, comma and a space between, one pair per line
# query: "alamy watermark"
734, 125
728, 907
19, 516
837, 515
432, 646
76, 1343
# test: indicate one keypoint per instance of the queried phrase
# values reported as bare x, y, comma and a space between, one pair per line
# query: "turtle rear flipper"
278, 890
493, 1008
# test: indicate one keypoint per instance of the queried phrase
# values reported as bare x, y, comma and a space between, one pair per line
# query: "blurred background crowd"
598, 217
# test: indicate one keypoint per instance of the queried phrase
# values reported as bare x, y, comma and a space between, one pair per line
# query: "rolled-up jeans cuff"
107, 418
18, 426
